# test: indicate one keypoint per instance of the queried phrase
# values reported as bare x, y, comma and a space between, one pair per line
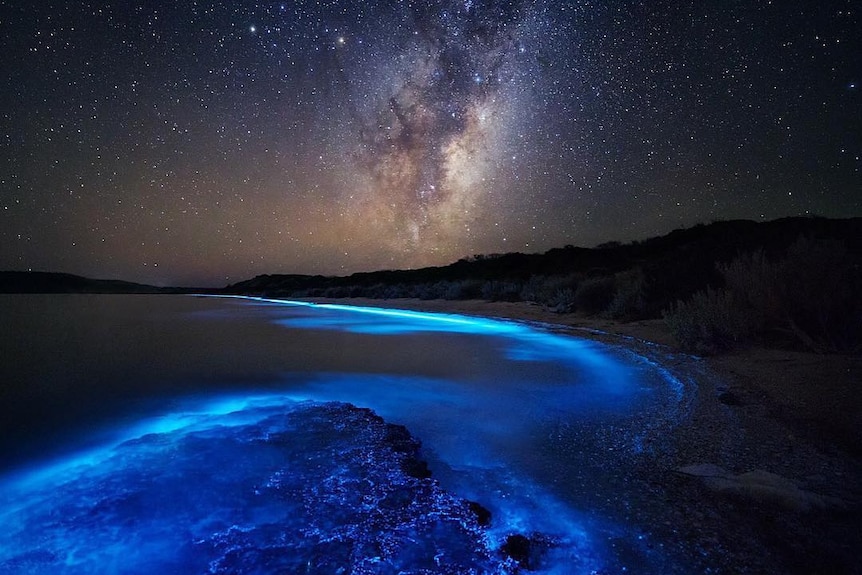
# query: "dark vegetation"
793, 282
809, 295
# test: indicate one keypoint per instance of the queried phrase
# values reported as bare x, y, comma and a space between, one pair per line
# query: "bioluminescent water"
234, 435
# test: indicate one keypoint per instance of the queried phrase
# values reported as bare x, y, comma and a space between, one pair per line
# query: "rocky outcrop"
313, 488
369, 505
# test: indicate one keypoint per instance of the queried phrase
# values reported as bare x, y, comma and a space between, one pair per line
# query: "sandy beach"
763, 474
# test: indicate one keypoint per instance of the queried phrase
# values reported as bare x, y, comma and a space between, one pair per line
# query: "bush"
756, 284
427, 291
820, 295
335, 292
629, 301
594, 295
711, 321
463, 289
557, 293
534, 289
501, 291
562, 301
448, 290
809, 295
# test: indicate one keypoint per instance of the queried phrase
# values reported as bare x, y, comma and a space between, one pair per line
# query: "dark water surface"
97, 392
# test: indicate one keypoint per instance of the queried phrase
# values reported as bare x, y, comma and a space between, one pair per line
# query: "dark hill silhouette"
669, 267
46, 282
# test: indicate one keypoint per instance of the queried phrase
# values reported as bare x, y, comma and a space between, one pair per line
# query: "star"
184, 140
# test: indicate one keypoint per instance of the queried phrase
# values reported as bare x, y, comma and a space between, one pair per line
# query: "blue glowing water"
183, 475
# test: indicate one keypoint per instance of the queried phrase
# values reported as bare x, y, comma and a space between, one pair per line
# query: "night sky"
201, 143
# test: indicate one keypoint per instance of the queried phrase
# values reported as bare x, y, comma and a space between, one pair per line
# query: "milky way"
427, 143
192, 142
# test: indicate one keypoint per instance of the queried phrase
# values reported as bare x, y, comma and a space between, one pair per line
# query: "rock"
761, 486
518, 548
529, 551
483, 516
399, 439
415, 467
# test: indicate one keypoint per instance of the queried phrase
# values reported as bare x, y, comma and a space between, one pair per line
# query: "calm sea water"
530, 423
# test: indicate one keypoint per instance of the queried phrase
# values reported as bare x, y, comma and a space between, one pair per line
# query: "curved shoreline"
736, 485
725, 485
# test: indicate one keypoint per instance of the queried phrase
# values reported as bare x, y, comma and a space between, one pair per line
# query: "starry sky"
199, 142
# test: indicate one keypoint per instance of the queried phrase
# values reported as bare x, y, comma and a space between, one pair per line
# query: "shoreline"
762, 474
804, 390
741, 476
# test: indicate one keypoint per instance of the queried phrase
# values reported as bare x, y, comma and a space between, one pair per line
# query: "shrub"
463, 289
629, 300
534, 289
755, 282
557, 293
396, 291
811, 295
562, 301
501, 291
710, 322
426, 291
820, 295
386, 291
335, 292
375, 291
594, 295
